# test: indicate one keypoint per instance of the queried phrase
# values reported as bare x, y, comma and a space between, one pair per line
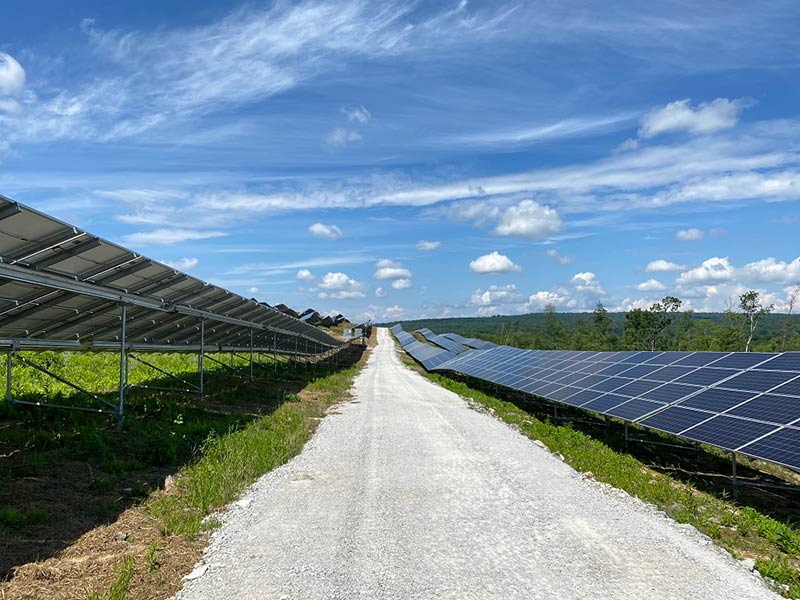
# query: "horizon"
405, 162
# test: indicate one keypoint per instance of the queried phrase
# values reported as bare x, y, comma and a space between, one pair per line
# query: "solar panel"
781, 446
726, 432
675, 419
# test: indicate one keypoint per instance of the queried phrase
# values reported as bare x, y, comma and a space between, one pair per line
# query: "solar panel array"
742, 402
470, 342
62, 288
442, 341
427, 355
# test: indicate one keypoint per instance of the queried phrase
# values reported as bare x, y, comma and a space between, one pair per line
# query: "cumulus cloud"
528, 219
553, 253
689, 235
663, 266
381, 293
707, 117
714, 269
12, 76
359, 114
325, 232
305, 275
651, 285
493, 263
541, 299
497, 299
184, 264
586, 282
339, 285
426, 245
401, 284
394, 312
388, 269
166, 237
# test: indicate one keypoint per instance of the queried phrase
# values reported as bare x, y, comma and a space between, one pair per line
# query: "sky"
392, 160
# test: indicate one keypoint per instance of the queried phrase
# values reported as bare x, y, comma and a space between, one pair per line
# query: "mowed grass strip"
743, 531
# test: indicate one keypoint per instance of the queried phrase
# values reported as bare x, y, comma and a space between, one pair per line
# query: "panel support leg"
295, 354
200, 359
275, 351
626, 436
9, 362
733, 475
251, 355
123, 363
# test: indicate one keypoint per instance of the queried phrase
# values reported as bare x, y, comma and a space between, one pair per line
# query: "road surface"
406, 492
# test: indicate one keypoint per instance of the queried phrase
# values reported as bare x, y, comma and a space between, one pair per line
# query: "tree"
644, 327
786, 330
752, 307
602, 329
554, 332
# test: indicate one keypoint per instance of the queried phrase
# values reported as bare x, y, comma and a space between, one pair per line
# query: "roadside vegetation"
89, 511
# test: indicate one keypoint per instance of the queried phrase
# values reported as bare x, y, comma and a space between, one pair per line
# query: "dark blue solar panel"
564, 393
783, 447
603, 403
757, 381
670, 392
637, 358
545, 391
789, 361
572, 378
614, 369
666, 358
701, 359
634, 409
590, 380
583, 397
668, 373
675, 419
791, 388
775, 409
640, 371
637, 388
591, 367
742, 360
717, 400
611, 383
706, 376
728, 432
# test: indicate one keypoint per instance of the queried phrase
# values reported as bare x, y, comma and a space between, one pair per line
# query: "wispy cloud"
159, 237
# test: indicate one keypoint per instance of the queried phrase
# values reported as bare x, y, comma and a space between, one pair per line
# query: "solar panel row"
427, 355
443, 341
744, 402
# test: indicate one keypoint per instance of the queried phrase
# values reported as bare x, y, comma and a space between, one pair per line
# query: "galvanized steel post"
123, 363
201, 356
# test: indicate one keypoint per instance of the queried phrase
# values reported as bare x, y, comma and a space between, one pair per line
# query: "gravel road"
406, 492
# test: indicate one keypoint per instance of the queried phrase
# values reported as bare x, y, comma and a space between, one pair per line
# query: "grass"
743, 531
120, 589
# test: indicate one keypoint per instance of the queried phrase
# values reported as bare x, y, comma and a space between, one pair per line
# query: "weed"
151, 556
121, 587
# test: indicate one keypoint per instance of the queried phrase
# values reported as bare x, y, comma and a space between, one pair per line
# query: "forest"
749, 326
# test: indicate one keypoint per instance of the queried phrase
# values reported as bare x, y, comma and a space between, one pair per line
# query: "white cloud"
651, 285
326, 232
253, 290
714, 269
340, 286
716, 232
341, 137
12, 76
541, 299
769, 270
496, 296
357, 113
184, 264
663, 266
394, 312
305, 275
586, 282
687, 235
493, 263
529, 219
708, 117
426, 245
553, 253
388, 269
381, 293
169, 236
401, 284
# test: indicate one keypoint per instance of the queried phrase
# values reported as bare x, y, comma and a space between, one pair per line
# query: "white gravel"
406, 492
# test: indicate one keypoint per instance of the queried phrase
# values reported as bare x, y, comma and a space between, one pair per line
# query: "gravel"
406, 492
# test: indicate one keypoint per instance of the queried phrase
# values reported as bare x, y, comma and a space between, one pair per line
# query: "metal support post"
123, 363
9, 360
275, 351
555, 414
626, 435
251, 354
200, 357
305, 356
733, 475
295, 353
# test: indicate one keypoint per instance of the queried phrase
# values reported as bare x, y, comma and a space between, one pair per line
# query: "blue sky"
405, 159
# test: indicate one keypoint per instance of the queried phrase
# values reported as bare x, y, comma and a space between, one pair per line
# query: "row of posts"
124, 365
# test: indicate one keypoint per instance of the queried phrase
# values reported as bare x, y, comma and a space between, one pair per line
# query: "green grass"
743, 531
120, 589
229, 463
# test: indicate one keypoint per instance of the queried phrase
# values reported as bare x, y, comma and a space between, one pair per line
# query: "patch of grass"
11, 516
231, 462
120, 589
743, 531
